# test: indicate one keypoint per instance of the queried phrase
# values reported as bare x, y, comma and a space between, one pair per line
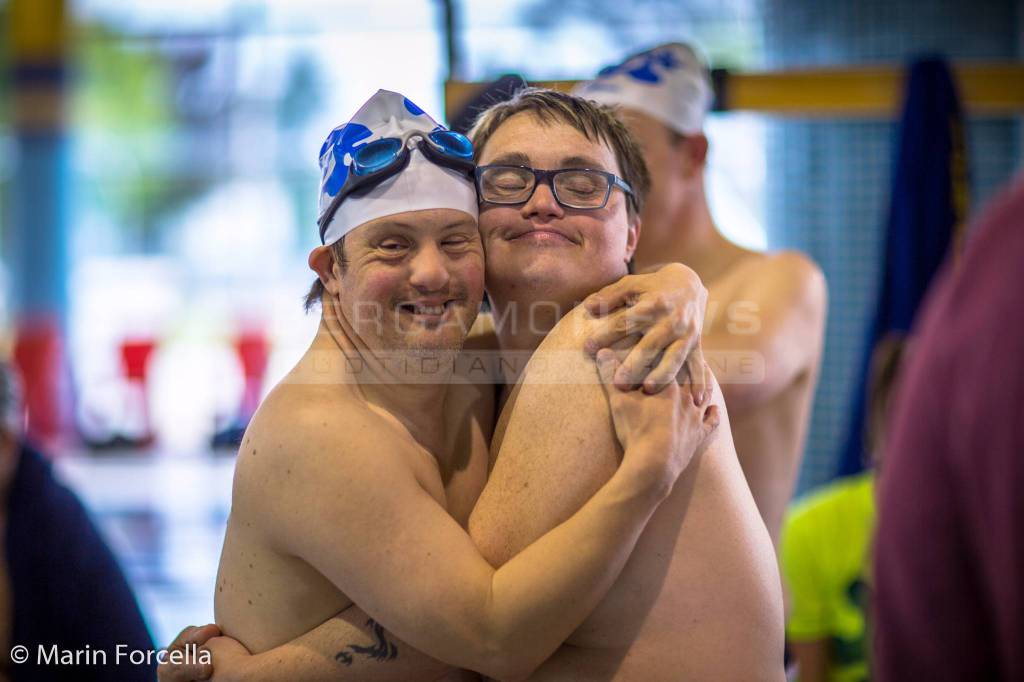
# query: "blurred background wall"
818, 166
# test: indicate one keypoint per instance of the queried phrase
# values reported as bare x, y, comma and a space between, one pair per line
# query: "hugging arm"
350, 646
418, 573
659, 315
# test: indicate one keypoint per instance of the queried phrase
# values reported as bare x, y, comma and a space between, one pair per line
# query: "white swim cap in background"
421, 185
669, 82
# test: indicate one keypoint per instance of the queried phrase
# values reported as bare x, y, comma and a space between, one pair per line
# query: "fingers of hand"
644, 357
200, 635
672, 392
634, 319
182, 638
607, 364
709, 382
183, 672
667, 368
611, 297
186, 672
698, 381
711, 420
171, 671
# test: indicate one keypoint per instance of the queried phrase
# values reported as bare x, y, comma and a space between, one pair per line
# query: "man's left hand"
666, 308
230, 658
180, 670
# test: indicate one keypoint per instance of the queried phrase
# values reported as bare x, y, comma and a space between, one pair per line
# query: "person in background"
60, 585
765, 323
949, 551
825, 552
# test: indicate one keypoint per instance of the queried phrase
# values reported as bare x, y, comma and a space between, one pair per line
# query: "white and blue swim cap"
420, 185
669, 82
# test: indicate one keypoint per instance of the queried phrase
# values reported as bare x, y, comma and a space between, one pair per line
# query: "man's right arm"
350, 647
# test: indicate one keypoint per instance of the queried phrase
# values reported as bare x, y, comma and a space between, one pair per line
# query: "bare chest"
453, 485
728, 309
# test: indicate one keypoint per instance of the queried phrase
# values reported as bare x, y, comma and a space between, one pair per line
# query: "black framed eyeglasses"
580, 188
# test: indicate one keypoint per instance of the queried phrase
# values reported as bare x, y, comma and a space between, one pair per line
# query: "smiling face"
412, 281
555, 253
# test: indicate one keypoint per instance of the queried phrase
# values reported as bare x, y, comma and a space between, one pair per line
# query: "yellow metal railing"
986, 89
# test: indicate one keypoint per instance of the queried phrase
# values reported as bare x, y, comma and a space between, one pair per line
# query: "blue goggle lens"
375, 156
453, 143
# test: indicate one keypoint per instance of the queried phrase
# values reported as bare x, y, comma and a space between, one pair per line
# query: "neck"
522, 319
689, 236
410, 386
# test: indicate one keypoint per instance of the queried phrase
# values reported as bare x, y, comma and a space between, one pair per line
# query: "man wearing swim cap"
766, 312
357, 476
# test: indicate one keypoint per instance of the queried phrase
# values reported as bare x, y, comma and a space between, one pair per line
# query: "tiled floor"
164, 515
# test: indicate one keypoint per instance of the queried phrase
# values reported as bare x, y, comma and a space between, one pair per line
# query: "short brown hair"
595, 121
316, 290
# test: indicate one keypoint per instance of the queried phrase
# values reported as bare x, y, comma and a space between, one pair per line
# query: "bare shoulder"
301, 436
757, 268
793, 271
571, 331
782, 281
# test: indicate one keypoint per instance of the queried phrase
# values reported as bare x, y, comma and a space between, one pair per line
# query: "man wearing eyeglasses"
699, 598
561, 185
764, 331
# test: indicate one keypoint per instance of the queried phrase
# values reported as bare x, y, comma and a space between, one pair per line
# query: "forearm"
545, 592
350, 646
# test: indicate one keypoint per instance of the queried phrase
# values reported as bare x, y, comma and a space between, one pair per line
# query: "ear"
695, 148
321, 261
632, 237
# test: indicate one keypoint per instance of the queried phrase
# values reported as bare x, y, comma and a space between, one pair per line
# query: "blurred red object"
135, 354
253, 348
39, 357
135, 358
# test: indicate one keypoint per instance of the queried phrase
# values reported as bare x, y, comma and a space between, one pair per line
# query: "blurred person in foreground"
949, 551
764, 330
561, 185
61, 590
826, 550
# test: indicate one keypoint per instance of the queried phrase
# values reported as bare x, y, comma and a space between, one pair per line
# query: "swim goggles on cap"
375, 162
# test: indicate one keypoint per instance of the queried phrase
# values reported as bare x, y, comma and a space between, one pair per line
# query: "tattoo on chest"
380, 650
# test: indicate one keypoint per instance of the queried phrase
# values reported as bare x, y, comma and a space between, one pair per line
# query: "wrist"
644, 472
